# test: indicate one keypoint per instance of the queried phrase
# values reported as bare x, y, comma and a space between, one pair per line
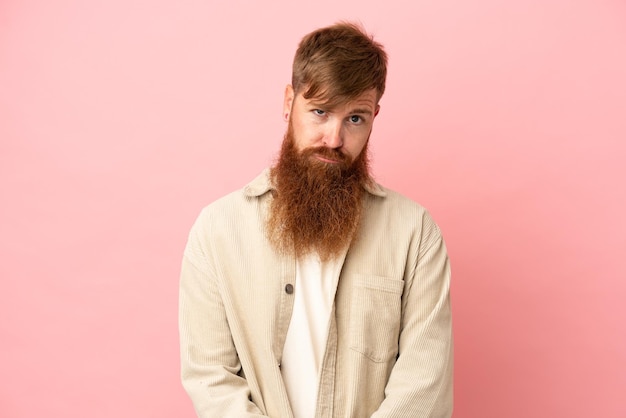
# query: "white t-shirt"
308, 330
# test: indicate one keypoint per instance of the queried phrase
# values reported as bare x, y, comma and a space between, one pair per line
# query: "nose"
333, 137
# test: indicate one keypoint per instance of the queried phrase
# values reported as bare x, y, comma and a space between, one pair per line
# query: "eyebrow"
357, 110
362, 111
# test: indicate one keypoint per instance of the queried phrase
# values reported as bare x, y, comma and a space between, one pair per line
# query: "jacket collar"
263, 184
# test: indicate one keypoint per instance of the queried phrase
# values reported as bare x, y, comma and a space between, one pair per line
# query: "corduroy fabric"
389, 349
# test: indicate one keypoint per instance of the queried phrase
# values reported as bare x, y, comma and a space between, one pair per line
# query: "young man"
314, 291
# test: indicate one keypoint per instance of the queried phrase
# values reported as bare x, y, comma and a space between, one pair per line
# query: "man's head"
338, 78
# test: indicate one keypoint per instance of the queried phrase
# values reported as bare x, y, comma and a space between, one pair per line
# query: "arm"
420, 384
209, 362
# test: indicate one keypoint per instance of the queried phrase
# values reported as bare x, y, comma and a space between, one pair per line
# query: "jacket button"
289, 288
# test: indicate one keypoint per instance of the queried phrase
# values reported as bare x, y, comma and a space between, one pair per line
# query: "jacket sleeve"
420, 384
210, 367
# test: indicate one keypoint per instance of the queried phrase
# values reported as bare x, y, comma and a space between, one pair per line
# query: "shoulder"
399, 213
240, 199
391, 202
236, 212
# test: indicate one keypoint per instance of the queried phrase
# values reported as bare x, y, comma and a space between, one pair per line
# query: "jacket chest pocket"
375, 314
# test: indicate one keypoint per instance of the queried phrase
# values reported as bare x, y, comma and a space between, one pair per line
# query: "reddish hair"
338, 63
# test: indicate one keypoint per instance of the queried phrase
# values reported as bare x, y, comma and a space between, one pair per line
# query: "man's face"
344, 128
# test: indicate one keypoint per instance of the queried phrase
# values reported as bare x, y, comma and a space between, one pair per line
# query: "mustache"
330, 153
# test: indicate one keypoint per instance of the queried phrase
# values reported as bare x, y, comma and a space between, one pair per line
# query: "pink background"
120, 119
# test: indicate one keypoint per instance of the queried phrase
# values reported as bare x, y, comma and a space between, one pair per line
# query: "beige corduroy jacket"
389, 350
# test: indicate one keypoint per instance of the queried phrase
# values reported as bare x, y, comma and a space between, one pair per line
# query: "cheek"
358, 146
305, 137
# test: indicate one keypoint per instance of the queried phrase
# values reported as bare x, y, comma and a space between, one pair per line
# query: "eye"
319, 112
356, 119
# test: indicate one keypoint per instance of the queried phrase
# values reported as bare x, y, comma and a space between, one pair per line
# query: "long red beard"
317, 206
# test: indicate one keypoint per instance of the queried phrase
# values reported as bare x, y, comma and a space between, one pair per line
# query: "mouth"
325, 159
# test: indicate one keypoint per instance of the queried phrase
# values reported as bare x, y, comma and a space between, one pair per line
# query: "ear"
288, 101
377, 110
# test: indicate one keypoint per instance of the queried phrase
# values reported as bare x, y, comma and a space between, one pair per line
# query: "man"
314, 291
